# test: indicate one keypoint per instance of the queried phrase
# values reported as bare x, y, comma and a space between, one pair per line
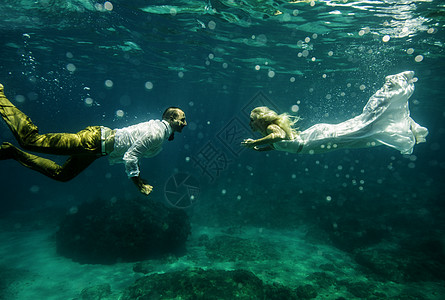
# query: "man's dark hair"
169, 112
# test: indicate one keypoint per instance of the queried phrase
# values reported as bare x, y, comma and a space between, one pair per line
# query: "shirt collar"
168, 127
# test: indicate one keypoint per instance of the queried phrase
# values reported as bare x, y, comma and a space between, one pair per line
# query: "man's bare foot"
6, 151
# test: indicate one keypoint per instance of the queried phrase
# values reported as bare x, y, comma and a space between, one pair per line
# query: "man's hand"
142, 185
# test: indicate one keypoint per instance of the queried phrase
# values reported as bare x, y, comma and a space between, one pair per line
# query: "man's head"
176, 118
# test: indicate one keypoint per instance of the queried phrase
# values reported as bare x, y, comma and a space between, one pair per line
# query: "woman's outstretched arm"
275, 134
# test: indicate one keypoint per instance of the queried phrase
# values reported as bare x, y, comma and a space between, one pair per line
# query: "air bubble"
149, 85
418, 58
108, 6
386, 38
120, 113
34, 189
20, 98
88, 101
109, 83
71, 67
212, 25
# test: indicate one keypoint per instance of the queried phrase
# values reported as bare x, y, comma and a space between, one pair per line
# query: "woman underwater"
385, 120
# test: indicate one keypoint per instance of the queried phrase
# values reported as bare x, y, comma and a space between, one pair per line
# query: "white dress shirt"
141, 140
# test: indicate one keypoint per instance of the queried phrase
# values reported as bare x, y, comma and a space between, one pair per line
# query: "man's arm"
131, 159
151, 139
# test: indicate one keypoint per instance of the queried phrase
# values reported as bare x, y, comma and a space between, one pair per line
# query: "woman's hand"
249, 143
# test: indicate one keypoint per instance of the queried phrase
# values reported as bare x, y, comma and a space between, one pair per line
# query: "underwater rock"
97, 292
306, 291
150, 266
350, 234
382, 263
322, 280
420, 261
106, 232
8, 277
230, 248
203, 240
361, 290
206, 284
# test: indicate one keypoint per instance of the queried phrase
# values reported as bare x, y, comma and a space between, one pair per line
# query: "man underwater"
126, 145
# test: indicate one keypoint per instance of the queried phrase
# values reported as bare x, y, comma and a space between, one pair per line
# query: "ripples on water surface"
218, 40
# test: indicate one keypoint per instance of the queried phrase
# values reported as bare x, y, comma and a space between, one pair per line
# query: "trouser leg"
72, 167
21, 125
83, 147
27, 134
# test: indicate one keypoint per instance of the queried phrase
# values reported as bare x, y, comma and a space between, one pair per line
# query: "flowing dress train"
385, 120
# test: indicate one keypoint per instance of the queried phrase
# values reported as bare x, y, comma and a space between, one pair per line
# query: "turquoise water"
72, 64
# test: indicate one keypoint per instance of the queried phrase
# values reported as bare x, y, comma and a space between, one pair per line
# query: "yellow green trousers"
82, 148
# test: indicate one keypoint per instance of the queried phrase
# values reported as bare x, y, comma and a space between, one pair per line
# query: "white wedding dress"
385, 120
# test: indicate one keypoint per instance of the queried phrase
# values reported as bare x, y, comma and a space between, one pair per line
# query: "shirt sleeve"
151, 139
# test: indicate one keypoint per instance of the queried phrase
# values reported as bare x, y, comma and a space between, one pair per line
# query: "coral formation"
206, 284
123, 230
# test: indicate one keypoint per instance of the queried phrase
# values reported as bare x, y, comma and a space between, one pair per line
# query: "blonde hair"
268, 116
